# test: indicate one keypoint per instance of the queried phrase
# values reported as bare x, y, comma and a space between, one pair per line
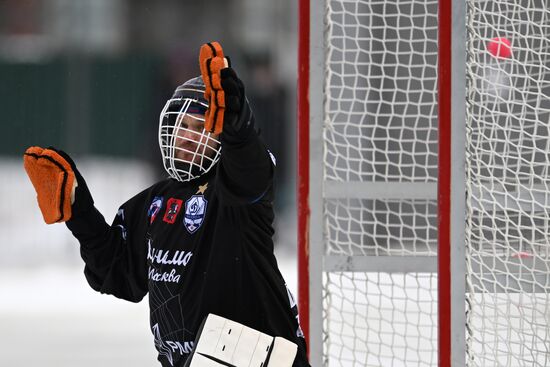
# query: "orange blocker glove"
60, 189
228, 109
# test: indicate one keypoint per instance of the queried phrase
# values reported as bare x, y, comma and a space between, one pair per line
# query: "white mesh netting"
508, 198
381, 101
380, 128
380, 319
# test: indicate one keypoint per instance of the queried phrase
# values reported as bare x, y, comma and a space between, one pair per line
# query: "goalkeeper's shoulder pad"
54, 180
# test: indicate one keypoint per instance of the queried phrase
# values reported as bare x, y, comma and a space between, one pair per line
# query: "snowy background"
49, 316
90, 77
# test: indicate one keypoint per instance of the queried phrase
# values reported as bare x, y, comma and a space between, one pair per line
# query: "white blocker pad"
223, 342
201, 361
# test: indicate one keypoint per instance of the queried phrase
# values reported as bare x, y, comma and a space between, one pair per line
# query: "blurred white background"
49, 316
90, 77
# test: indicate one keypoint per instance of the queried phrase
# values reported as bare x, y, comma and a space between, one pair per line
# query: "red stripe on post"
444, 182
303, 165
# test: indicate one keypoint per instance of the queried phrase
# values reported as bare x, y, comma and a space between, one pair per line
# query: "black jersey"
197, 247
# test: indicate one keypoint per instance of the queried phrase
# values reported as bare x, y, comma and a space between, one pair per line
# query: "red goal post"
423, 182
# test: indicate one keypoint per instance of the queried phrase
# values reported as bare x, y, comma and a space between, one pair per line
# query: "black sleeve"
245, 171
115, 255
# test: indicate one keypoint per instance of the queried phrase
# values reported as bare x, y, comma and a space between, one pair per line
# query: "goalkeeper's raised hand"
61, 191
228, 108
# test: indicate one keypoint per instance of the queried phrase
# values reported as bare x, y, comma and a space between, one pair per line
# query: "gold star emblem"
202, 188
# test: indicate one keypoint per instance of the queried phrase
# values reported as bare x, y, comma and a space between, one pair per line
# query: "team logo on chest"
195, 209
154, 209
173, 207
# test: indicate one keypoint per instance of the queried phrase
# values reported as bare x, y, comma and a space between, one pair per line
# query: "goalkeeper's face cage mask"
188, 151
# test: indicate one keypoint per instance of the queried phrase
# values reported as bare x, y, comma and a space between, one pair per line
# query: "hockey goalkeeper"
198, 242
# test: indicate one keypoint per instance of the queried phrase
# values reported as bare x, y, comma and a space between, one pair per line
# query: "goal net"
373, 168
508, 197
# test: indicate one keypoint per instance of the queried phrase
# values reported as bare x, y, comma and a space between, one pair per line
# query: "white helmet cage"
188, 151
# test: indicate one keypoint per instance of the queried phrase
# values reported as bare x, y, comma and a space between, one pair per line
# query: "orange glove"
212, 61
54, 180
